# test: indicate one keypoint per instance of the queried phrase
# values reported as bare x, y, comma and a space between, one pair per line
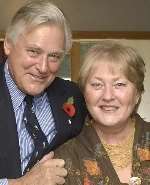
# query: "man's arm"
48, 171
3, 182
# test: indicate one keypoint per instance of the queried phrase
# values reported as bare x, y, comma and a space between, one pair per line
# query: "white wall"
143, 47
93, 15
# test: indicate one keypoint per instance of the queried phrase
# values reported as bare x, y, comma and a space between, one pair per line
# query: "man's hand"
48, 171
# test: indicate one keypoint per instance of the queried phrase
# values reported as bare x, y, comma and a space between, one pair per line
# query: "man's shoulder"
61, 85
66, 83
2, 75
1, 67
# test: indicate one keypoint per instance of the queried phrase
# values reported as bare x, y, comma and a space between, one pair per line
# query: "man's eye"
56, 56
32, 52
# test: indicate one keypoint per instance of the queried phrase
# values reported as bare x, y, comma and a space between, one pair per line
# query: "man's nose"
43, 64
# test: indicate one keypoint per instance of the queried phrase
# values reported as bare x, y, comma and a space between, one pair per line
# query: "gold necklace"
120, 154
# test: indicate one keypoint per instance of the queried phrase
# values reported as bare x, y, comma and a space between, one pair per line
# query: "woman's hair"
130, 61
37, 12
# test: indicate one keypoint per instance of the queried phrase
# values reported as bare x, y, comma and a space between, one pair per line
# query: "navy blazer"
58, 93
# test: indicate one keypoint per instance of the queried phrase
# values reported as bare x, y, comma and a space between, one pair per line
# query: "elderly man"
39, 111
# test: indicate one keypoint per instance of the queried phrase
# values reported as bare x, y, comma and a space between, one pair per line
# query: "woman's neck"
118, 143
114, 134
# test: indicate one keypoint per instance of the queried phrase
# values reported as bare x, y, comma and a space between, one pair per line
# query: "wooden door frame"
79, 36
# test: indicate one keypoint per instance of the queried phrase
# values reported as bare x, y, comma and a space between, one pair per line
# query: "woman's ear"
138, 98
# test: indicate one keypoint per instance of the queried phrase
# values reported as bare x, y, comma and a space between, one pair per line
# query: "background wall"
102, 15
97, 15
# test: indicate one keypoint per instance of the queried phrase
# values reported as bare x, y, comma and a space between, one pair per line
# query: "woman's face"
109, 95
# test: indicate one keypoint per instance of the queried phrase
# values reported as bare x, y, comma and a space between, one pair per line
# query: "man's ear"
7, 45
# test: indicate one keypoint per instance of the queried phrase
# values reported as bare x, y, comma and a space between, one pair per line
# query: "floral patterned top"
87, 161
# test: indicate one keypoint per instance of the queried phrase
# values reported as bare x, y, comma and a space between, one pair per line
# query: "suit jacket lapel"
57, 97
9, 143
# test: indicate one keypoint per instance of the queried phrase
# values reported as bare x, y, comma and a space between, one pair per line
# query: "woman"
114, 146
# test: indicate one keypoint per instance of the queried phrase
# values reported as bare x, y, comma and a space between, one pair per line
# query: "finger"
57, 163
59, 180
52, 163
51, 154
47, 157
62, 172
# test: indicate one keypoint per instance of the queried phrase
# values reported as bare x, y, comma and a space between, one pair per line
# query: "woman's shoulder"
142, 122
67, 149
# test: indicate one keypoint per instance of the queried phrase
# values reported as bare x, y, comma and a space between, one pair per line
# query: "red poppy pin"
68, 107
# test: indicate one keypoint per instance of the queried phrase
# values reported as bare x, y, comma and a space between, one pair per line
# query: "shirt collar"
17, 96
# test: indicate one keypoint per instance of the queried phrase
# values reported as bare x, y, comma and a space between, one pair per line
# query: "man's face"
34, 59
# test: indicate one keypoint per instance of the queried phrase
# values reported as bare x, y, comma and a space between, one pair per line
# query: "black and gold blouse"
87, 161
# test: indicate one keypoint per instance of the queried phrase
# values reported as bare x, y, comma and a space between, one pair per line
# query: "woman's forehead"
111, 65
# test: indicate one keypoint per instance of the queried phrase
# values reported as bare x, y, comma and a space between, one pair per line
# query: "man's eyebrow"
34, 48
38, 48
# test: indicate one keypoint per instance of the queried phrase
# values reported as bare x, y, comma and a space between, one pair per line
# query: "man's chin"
35, 91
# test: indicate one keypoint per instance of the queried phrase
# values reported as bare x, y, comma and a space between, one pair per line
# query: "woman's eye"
120, 84
97, 85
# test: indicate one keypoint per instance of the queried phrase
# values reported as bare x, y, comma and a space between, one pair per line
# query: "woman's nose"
108, 93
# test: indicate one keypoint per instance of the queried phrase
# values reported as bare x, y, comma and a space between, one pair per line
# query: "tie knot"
29, 100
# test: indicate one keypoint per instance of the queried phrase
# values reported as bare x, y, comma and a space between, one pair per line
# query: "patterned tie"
36, 133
